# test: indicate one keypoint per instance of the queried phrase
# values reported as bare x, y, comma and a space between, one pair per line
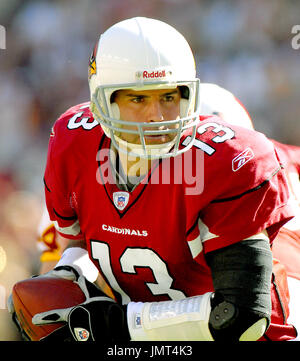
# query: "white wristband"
177, 320
79, 259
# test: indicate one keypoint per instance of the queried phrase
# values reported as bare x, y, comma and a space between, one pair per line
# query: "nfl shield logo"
81, 334
121, 199
138, 321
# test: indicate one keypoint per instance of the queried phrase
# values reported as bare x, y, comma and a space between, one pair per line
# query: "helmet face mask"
167, 70
108, 115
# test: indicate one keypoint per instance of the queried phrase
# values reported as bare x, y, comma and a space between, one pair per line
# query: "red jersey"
150, 243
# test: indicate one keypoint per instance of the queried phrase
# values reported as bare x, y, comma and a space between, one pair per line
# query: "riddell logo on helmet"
154, 74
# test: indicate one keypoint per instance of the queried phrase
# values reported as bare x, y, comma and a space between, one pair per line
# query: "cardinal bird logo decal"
92, 63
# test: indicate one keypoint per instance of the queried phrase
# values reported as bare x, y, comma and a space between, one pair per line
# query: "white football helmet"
219, 101
143, 54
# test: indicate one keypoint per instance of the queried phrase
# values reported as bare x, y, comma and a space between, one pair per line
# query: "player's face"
148, 106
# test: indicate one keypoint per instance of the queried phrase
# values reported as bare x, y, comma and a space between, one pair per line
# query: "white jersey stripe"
72, 230
195, 246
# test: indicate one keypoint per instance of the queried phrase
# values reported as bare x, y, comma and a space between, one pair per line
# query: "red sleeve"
59, 204
59, 176
247, 189
231, 220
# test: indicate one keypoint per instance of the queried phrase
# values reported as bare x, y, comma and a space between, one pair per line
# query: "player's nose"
155, 113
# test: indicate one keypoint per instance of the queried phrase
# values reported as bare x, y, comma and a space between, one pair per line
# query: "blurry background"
244, 46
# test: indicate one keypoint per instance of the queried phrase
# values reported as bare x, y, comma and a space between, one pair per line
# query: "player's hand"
99, 318
66, 272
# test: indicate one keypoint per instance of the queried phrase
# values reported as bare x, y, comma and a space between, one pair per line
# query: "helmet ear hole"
115, 111
184, 91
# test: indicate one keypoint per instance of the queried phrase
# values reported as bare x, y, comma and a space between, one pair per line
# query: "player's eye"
169, 98
137, 99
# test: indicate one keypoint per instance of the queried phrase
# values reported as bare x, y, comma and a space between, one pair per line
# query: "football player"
285, 247
176, 210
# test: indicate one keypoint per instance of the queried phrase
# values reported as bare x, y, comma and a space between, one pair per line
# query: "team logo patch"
121, 200
92, 62
81, 334
242, 159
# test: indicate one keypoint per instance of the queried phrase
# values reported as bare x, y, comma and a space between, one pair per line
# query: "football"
39, 294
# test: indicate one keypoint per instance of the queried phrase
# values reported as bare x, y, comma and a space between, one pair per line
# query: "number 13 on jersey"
222, 134
131, 258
